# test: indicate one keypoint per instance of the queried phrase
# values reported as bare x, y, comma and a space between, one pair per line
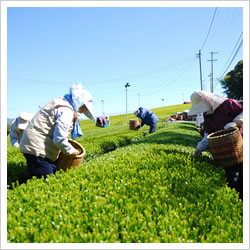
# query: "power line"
232, 58
97, 82
228, 27
230, 62
236, 44
199, 54
163, 85
209, 28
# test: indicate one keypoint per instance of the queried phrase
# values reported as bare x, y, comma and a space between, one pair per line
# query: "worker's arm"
202, 145
14, 134
63, 124
236, 111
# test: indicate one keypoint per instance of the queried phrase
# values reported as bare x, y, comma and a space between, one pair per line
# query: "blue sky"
153, 48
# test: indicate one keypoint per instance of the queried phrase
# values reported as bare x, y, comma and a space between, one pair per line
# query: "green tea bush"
99, 141
95, 141
16, 166
153, 190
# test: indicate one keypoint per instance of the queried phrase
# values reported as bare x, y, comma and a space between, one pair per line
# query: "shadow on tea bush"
17, 172
114, 143
171, 137
188, 126
108, 146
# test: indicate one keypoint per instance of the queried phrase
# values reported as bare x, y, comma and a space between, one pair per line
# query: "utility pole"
126, 86
102, 107
199, 55
212, 73
138, 99
162, 102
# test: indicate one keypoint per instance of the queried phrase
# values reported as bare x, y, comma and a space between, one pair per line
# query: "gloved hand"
197, 152
230, 125
138, 127
136, 112
16, 145
75, 153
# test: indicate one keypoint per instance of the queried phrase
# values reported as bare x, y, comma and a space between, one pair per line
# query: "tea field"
133, 187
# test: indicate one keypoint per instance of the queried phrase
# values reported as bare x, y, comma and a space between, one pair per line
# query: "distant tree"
233, 82
8, 129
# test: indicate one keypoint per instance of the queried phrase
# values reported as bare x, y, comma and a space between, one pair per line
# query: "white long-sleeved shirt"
15, 134
63, 121
203, 144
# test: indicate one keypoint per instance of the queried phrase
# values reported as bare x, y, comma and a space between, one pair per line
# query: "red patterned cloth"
222, 115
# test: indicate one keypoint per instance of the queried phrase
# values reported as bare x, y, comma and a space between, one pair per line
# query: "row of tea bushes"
96, 142
99, 141
151, 191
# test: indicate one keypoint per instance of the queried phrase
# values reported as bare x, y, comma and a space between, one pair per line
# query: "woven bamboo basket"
226, 146
133, 123
179, 117
65, 162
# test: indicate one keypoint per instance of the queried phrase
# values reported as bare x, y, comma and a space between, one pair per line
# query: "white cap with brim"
89, 111
23, 120
22, 124
198, 105
81, 96
26, 116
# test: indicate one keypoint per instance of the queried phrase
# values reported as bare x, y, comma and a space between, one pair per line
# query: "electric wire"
236, 44
97, 82
228, 28
163, 84
229, 64
233, 58
209, 29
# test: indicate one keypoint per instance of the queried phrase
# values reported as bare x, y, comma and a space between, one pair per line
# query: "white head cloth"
81, 96
203, 101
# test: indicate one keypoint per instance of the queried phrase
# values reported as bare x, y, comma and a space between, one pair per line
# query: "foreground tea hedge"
150, 191
95, 140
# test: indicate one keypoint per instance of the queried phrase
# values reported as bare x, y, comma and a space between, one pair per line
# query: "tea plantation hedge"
96, 142
152, 190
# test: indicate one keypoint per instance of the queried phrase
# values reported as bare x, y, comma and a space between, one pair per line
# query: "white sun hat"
81, 96
203, 101
23, 120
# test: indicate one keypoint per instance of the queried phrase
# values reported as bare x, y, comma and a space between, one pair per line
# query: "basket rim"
213, 137
83, 150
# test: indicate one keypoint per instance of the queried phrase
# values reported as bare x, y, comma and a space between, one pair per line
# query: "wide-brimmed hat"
81, 96
23, 120
198, 105
203, 101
